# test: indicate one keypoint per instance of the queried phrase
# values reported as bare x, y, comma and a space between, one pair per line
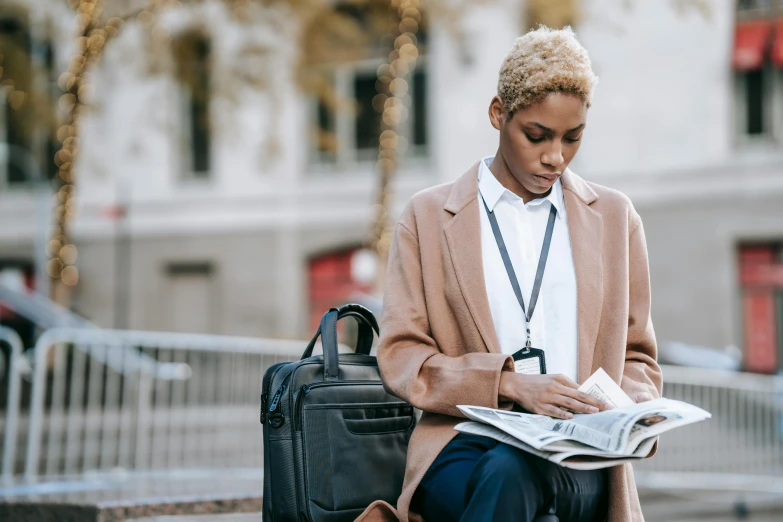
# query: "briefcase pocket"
386, 420
355, 455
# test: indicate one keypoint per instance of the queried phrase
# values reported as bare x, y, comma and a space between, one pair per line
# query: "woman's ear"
497, 113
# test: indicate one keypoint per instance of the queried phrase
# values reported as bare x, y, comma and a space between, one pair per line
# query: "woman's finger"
556, 412
641, 397
583, 398
565, 381
576, 406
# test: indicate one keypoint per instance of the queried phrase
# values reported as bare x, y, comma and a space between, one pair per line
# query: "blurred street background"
187, 185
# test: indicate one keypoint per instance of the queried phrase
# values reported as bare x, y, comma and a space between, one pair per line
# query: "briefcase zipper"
307, 388
275, 415
268, 376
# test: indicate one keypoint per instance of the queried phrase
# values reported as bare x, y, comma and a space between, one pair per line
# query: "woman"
518, 256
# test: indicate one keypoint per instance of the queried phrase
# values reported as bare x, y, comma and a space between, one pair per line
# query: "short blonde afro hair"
542, 62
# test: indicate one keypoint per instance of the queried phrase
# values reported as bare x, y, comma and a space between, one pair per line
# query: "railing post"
11, 338
143, 421
37, 407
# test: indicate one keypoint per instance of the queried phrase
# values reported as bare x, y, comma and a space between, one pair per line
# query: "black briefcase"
334, 439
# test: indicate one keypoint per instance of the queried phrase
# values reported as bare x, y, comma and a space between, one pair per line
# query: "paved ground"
153, 498
256, 517
659, 509
704, 507
712, 507
238, 517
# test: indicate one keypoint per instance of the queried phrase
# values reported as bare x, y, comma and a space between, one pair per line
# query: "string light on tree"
393, 101
94, 34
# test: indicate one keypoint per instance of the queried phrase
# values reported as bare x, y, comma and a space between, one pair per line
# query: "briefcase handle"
328, 333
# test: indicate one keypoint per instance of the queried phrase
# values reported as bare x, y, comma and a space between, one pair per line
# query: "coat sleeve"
412, 366
641, 372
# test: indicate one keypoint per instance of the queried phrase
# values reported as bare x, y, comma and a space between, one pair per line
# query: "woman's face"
538, 143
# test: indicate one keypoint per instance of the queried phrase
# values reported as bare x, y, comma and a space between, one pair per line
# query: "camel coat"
438, 344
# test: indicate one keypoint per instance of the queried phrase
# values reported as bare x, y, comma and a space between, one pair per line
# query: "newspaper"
587, 441
603, 388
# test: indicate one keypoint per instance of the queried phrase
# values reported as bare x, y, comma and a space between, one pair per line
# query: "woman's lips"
547, 179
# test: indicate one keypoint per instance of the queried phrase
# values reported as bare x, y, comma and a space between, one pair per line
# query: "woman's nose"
553, 155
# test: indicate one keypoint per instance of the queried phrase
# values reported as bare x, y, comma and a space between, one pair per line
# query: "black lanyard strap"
550, 227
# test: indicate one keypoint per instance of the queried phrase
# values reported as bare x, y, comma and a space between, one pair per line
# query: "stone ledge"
120, 498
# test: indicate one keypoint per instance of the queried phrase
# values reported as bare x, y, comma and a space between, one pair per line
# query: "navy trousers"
479, 479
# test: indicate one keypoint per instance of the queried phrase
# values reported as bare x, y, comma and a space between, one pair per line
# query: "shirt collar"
492, 191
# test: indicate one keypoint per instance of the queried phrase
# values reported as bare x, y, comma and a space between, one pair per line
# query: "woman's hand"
553, 395
641, 397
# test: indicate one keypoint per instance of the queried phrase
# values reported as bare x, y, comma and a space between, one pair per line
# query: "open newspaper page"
656, 422
652, 423
625, 431
580, 457
485, 430
530, 429
610, 430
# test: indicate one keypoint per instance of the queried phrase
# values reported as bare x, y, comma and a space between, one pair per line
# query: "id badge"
530, 361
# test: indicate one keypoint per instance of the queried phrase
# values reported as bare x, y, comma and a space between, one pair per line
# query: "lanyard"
550, 226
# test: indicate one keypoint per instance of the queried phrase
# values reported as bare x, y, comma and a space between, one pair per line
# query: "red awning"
751, 38
777, 44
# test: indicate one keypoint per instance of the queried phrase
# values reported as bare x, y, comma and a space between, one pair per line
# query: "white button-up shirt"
553, 326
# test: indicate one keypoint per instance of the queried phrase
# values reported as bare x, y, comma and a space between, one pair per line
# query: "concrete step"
229, 517
137, 495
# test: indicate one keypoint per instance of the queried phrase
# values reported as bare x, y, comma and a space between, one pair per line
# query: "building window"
755, 98
366, 120
349, 127
749, 6
53, 93
755, 92
344, 52
419, 116
16, 117
551, 13
757, 59
193, 56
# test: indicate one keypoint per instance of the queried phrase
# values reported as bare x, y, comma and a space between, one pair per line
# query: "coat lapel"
463, 236
585, 227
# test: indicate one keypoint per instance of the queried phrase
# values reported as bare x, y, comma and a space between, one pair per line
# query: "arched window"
193, 55
757, 59
552, 13
16, 117
52, 94
342, 51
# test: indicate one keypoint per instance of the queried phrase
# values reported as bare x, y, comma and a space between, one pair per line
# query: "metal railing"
17, 365
104, 399
739, 448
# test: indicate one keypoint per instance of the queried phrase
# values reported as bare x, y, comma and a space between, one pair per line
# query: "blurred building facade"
216, 195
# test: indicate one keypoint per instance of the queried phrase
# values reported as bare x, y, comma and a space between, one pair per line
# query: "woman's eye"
573, 140
535, 139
